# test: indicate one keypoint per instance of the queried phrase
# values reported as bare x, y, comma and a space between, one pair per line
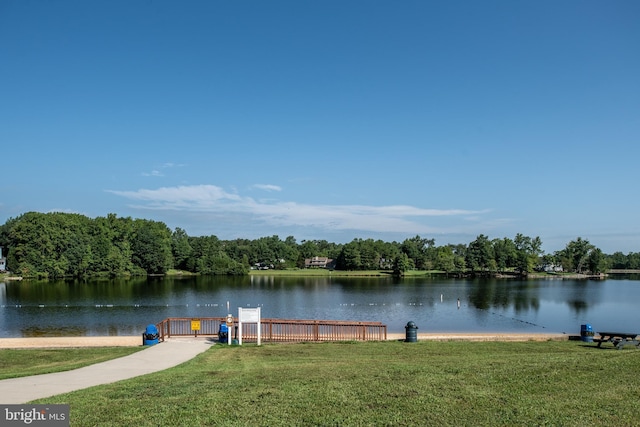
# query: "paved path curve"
155, 358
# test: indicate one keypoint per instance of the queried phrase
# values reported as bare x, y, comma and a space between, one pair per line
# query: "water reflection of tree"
494, 293
584, 294
579, 306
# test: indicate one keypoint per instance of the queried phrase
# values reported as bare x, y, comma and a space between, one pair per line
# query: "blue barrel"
586, 333
150, 335
223, 333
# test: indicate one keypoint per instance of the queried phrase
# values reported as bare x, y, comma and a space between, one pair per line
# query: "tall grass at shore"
376, 383
322, 272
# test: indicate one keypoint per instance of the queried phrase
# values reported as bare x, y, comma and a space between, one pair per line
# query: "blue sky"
328, 120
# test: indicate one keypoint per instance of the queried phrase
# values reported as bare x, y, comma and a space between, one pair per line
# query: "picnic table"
618, 339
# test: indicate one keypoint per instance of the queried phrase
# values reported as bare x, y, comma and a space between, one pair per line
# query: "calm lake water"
125, 307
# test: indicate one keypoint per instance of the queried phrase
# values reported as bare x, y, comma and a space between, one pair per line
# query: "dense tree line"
72, 245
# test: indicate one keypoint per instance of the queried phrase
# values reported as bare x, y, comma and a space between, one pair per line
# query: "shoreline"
135, 340
71, 342
321, 272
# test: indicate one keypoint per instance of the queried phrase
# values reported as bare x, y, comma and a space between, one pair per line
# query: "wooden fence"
276, 330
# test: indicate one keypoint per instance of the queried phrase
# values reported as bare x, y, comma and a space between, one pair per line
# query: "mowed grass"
20, 363
382, 383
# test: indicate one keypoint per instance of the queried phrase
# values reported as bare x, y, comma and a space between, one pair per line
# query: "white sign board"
248, 315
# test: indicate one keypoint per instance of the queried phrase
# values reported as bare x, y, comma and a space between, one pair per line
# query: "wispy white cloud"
267, 187
195, 197
172, 165
215, 200
158, 172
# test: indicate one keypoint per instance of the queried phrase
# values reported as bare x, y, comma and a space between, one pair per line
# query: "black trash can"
411, 332
586, 333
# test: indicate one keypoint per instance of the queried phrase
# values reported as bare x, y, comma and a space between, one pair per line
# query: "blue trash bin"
586, 333
150, 335
223, 333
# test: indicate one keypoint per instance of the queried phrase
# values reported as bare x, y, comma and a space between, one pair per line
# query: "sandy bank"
70, 342
132, 341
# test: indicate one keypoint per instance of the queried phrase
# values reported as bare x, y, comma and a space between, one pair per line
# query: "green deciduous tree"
445, 259
401, 264
480, 255
151, 246
181, 249
528, 251
505, 253
418, 250
580, 256
596, 261
349, 258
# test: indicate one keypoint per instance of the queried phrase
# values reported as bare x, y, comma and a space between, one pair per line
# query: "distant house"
261, 266
386, 263
319, 262
552, 268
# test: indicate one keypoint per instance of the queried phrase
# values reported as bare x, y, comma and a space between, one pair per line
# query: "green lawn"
382, 383
20, 363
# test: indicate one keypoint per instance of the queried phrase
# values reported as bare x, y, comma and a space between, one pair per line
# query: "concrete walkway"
155, 358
